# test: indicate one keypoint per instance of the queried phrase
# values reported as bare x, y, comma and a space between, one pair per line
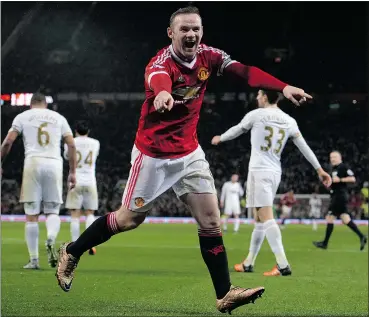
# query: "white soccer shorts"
42, 181
232, 208
150, 177
82, 196
261, 188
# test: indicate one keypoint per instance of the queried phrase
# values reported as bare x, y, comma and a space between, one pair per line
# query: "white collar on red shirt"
181, 61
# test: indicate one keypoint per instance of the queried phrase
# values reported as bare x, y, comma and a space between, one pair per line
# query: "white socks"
257, 238
315, 225
52, 227
236, 224
32, 231
225, 221
74, 228
89, 220
274, 237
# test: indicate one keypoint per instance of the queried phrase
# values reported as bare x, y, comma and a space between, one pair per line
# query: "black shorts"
338, 206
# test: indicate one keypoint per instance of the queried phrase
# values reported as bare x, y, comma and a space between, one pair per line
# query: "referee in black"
341, 176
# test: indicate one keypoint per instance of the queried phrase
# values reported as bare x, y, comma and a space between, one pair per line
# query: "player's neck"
38, 107
268, 105
183, 58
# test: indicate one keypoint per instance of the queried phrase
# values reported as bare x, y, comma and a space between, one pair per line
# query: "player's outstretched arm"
305, 149
234, 132
255, 77
7, 144
230, 134
160, 82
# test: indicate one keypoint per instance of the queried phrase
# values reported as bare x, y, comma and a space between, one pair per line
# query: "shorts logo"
203, 74
139, 202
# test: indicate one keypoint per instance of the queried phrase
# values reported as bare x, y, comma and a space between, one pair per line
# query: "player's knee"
329, 219
32, 218
90, 212
345, 218
51, 208
75, 213
209, 219
32, 210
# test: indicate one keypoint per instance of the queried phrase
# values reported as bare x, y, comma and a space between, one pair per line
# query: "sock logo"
216, 250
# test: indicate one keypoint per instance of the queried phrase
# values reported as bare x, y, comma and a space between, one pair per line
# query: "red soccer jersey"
172, 134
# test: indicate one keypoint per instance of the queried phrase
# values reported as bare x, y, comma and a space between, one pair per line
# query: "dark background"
327, 41
86, 47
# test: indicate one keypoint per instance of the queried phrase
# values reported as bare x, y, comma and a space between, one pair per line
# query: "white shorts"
82, 196
286, 210
314, 213
232, 208
261, 188
150, 177
42, 180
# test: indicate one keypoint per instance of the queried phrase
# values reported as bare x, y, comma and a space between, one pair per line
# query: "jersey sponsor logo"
203, 74
334, 174
187, 93
139, 202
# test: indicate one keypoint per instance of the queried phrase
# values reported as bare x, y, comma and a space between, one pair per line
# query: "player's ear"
170, 32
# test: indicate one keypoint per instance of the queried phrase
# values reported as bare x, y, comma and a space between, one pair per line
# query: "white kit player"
84, 194
315, 208
230, 201
42, 130
270, 129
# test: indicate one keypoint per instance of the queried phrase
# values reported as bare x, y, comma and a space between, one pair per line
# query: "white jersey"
231, 193
315, 203
87, 153
42, 130
270, 129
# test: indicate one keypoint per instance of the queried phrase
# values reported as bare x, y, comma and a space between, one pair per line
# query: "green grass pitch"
157, 270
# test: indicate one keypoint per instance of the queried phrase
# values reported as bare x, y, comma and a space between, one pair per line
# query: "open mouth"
189, 44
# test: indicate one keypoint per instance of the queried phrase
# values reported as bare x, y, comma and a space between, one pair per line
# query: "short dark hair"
185, 10
37, 97
272, 95
336, 151
82, 127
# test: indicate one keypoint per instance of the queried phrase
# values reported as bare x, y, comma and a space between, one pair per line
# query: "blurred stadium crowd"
86, 49
114, 124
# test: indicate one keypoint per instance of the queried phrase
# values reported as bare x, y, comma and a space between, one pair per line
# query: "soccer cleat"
363, 242
243, 268
65, 270
320, 244
238, 296
52, 258
92, 251
277, 271
32, 265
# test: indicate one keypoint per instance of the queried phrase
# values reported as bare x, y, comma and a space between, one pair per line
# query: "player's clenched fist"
215, 140
163, 101
71, 180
